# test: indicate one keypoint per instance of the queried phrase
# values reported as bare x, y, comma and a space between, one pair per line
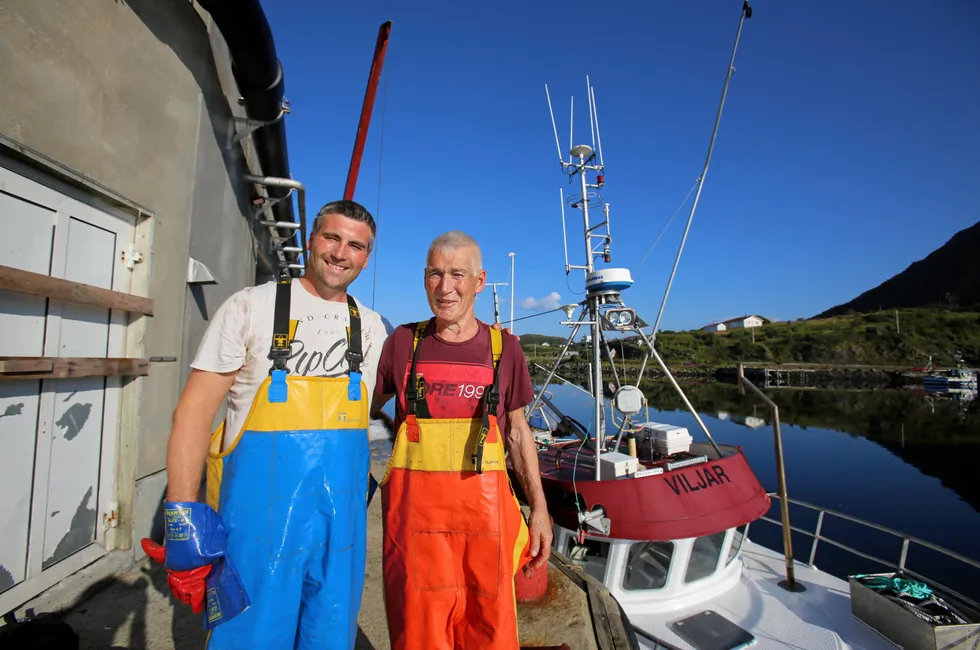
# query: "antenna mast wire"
676, 212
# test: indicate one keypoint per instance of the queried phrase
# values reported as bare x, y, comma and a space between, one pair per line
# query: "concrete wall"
138, 96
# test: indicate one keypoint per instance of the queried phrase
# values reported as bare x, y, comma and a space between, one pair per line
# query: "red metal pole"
362, 128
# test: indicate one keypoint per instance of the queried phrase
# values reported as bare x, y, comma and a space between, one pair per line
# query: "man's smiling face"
452, 282
339, 251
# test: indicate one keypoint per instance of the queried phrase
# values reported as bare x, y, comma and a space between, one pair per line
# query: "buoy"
528, 590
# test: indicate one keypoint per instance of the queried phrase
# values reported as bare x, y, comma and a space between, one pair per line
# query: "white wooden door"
58, 437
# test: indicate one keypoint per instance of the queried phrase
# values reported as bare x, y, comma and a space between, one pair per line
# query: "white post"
511, 292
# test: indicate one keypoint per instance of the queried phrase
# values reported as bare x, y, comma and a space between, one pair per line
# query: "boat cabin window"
704, 557
737, 538
593, 556
647, 565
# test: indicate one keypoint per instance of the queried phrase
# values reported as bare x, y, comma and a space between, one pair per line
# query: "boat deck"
816, 619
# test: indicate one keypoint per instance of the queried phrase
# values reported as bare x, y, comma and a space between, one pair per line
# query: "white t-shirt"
240, 336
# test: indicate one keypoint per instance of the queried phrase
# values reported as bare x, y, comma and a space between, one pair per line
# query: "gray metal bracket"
595, 520
267, 202
251, 126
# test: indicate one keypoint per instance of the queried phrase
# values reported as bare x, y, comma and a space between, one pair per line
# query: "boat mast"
582, 161
603, 308
583, 152
746, 13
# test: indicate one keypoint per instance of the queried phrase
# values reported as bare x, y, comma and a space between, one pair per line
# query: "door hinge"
132, 256
110, 519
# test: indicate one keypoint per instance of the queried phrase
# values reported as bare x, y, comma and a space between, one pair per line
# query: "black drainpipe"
259, 76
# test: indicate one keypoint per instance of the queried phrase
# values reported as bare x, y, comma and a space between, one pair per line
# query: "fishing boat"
662, 519
959, 377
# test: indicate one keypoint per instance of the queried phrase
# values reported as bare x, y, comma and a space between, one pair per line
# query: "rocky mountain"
948, 276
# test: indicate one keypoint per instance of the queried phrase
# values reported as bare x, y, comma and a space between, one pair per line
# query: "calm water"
898, 458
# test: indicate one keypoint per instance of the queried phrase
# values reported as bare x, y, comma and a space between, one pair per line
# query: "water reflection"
901, 458
938, 434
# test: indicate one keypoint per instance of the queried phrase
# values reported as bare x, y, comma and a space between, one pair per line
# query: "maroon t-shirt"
456, 374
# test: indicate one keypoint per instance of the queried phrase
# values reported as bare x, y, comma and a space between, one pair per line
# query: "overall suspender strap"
280, 340
282, 336
355, 354
415, 391
491, 397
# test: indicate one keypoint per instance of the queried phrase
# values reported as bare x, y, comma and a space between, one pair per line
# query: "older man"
454, 533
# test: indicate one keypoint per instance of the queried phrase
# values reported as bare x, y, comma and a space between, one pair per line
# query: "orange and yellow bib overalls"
454, 532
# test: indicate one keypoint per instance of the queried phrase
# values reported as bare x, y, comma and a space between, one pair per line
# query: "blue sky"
849, 146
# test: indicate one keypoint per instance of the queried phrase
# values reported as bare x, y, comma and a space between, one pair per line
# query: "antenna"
596, 111
552, 113
582, 161
571, 122
564, 236
496, 305
588, 94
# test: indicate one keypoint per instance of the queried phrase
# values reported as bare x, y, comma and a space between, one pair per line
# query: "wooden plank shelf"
19, 368
36, 284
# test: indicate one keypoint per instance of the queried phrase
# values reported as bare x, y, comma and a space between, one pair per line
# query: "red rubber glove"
188, 586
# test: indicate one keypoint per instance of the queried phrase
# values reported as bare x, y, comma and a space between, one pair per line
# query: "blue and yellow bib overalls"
292, 491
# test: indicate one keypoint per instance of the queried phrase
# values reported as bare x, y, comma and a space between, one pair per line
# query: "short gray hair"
454, 240
351, 210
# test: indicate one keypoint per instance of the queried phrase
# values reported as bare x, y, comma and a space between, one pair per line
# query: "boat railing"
907, 540
790, 583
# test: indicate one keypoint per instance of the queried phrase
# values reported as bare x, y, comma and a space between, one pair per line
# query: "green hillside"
858, 339
538, 339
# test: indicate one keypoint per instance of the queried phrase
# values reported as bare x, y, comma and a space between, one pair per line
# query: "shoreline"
811, 375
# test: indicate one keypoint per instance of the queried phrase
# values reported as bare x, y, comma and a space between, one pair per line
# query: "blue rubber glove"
195, 537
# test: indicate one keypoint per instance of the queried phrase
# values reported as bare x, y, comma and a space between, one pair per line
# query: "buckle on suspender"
480, 443
492, 399
355, 359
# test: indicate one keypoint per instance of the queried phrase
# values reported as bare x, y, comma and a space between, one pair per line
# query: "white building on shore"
742, 322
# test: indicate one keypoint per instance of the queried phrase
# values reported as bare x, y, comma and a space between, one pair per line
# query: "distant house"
744, 322
714, 327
